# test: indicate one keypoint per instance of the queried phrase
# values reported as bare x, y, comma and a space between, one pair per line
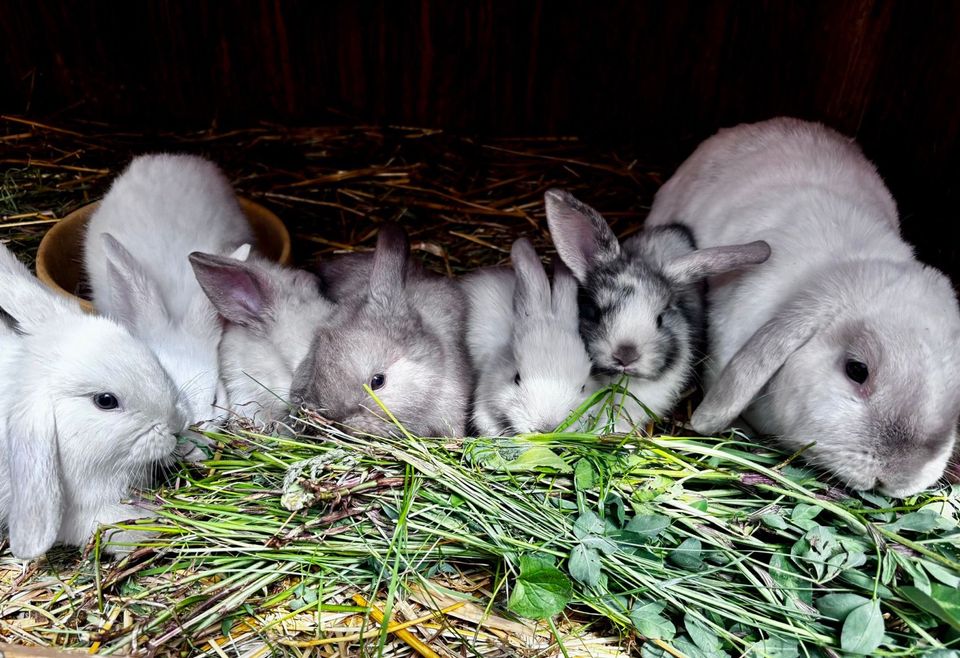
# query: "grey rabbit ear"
757, 361
36, 501
716, 260
531, 296
581, 235
238, 290
564, 296
133, 294
389, 272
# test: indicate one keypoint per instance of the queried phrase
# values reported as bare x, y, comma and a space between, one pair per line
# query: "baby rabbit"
641, 304
401, 333
271, 314
524, 344
87, 414
162, 208
842, 338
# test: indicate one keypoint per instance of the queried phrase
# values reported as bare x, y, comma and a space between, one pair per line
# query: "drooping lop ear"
238, 290
579, 232
703, 263
758, 361
25, 303
389, 272
36, 503
564, 296
531, 295
134, 297
10, 264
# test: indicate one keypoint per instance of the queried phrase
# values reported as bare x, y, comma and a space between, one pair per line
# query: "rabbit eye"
106, 401
857, 371
378, 381
583, 388
588, 309
516, 379
659, 320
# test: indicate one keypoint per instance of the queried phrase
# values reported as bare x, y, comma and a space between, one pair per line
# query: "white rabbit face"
191, 363
869, 393
551, 378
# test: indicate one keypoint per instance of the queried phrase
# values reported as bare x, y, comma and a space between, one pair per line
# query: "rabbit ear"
238, 290
389, 272
532, 293
36, 499
564, 297
133, 294
579, 232
716, 260
756, 362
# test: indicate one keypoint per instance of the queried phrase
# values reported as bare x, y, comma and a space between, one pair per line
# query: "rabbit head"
88, 414
186, 345
382, 339
639, 303
271, 314
535, 380
864, 363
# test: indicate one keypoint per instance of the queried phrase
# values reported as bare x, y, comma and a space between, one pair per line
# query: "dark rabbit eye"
378, 381
516, 379
106, 401
588, 309
857, 371
659, 320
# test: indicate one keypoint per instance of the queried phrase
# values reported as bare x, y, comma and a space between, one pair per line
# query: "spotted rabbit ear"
531, 296
36, 503
580, 234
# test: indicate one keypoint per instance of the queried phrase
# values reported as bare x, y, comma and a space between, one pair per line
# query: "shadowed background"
654, 76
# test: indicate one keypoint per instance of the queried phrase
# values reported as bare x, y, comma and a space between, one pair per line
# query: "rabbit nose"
625, 354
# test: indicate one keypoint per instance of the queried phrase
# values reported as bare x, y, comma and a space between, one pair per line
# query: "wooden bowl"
60, 256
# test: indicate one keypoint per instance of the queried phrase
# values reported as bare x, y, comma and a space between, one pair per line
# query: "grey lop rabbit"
842, 338
399, 331
641, 303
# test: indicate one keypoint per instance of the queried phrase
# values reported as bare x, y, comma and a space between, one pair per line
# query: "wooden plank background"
660, 74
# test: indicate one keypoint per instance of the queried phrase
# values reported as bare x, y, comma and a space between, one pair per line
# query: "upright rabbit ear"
36, 503
133, 294
716, 260
757, 361
389, 272
579, 232
564, 297
531, 296
238, 290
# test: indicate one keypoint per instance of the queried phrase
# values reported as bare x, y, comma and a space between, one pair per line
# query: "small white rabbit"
271, 313
158, 211
531, 366
641, 304
401, 333
88, 413
842, 338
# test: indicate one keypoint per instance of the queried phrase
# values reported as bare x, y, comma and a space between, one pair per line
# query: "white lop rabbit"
842, 338
523, 339
400, 332
641, 303
271, 313
158, 211
88, 413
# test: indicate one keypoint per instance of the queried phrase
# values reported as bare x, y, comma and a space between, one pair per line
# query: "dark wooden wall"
661, 75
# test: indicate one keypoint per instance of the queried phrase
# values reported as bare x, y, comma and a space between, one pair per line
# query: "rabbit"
842, 338
136, 248
88, 415
640, 304
400, 332
524, 344
271, 313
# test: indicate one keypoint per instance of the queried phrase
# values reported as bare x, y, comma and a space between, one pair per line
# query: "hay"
662, 547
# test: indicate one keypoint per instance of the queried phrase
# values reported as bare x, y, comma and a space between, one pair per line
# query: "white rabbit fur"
65, 464
641, 303
841, 288
158, 211
271, 314
400, 323
523, 339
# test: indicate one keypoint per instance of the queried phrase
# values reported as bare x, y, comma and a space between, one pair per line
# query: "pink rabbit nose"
625, 354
